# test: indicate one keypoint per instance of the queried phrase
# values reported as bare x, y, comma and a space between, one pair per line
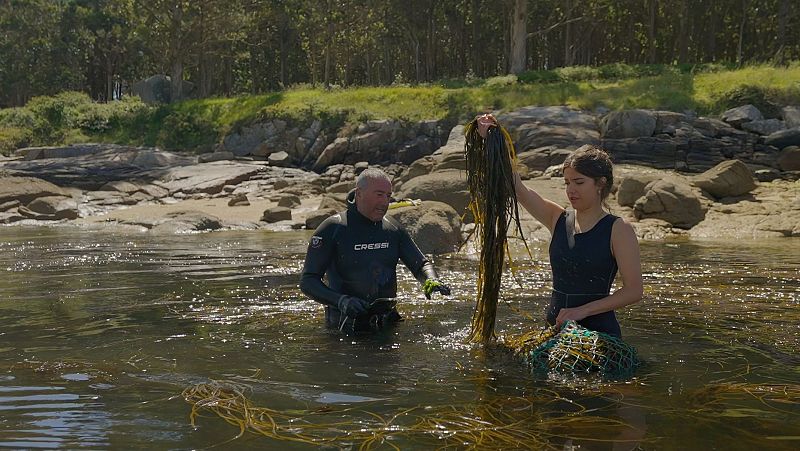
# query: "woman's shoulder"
621, 228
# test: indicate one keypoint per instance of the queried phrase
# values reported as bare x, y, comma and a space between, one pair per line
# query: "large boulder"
208, 178
740, 115
670, 201
449, 186
334, 153
791, 116
543, 157
59, 207
789, 159
187, 221
764, 127
628, 124
632, 187
434, 226
158, 89
532, 136
727, 179
315, 218
784, 138
26, 189
276, 214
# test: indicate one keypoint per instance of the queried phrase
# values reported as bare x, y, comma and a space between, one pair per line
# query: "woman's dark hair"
593, 162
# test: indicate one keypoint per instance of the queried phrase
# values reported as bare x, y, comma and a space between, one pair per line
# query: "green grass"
198, 124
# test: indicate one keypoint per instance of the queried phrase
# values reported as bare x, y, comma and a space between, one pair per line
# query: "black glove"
352, 306
430, 286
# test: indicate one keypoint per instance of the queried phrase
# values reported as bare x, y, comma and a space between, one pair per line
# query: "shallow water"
100, 332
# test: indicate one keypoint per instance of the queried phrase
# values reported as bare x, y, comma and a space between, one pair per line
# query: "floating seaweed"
514, 422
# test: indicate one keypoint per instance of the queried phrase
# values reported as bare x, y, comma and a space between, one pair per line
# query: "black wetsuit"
360, 258
584, 273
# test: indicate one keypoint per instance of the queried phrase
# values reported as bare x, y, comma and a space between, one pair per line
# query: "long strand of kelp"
490, 178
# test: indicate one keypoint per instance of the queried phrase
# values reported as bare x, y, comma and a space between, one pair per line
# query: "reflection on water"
101, 332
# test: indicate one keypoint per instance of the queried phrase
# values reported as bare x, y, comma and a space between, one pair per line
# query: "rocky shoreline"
677, 175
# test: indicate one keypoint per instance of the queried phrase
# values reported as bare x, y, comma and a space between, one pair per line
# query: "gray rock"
422, 166
249, 139
452, 161
26, 189
632, 187
543, 157
532, 136
279, 159
434, 226
7, 217
5, 206
784, 138
187, 221
53, 207
791, 116
789, 159
739, 115
727, 179
314, 219
670, 201
360, 167
341, 187
158, 89
767, 175
628, 124
448, 186
333, 153
668, 121
764, 127
238, 200
120, 186
216, 156
276, 214
289, 201
208, 178
332, 203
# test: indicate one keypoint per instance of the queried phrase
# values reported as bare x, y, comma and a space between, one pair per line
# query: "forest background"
64, 61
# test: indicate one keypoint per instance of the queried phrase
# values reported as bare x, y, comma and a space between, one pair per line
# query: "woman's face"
582, 191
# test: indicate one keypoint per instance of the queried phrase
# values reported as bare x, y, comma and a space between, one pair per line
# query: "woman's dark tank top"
584, 273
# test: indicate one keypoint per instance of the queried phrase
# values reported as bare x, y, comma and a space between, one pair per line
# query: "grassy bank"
709, 89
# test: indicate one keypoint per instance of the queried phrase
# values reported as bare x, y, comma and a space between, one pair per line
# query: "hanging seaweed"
490, 176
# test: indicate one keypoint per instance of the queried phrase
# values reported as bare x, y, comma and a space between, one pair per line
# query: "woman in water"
585, 256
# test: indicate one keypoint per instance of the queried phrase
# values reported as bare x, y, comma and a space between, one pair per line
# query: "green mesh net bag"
573, 348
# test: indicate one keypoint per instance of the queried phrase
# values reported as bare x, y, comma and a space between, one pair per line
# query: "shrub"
577, 73
760, 97
538, 76
616, 71
502, 80
12, 138
182, 130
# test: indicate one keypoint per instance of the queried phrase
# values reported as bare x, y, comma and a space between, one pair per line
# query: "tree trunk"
519, 36
741, 34
176, 53
683, 32
783, 13
651, 32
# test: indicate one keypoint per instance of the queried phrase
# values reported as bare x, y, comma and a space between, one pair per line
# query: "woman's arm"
544, 210
625, 248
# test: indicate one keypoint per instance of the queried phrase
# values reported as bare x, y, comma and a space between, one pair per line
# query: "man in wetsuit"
358, 249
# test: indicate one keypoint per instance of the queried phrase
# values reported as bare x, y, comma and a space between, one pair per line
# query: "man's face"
373, 200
